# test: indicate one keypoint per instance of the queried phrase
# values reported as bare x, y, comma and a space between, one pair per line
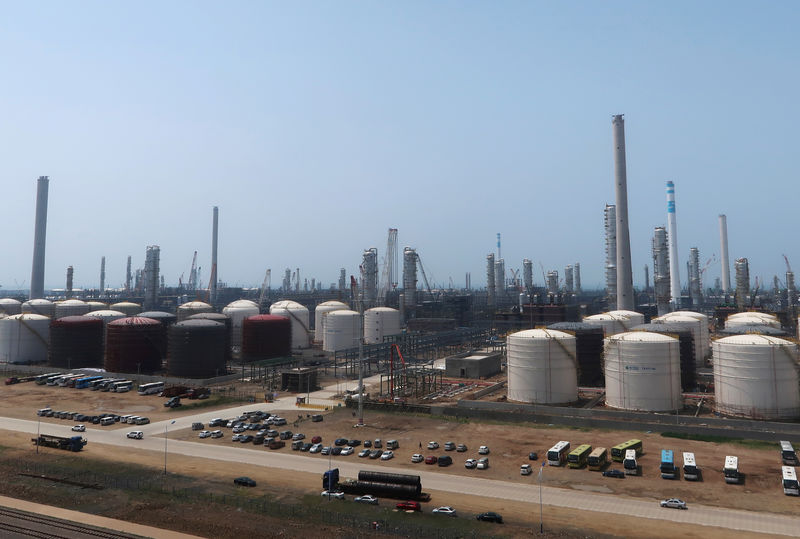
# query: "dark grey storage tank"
222, 319
196, 349
588, 351
76, 342
164, 317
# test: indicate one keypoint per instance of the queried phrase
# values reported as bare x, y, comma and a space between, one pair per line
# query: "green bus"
618, 451
577, 458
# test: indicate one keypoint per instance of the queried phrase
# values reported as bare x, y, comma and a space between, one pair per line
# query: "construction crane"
264, 288
424, 277
193, 273
788, 267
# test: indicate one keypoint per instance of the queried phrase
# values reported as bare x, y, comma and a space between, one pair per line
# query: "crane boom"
424, 277
264, 287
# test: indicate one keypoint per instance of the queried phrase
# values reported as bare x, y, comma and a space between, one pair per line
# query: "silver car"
674, 503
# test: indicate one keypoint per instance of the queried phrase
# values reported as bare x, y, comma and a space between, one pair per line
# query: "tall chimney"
726, 267
70, 273
214, 233
39, 236
624, 269
672, 237
102, 276
128, 276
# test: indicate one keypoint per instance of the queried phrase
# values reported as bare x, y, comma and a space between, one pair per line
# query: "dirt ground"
509, 444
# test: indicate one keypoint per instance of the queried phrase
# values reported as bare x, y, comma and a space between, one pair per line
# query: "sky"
317, 126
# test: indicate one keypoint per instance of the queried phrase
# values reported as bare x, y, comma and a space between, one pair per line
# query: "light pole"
541, 505
166, 426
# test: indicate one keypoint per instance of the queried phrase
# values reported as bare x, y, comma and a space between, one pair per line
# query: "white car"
416, 457
433, 445
316, 448
470, 464
235, 437
366, 498
446, 510
387, 455
483, 463
332, 494
483, 450
136, 434
525, 469
79, 428
347, 450
298, 436
216, 434
204, 434
674, 503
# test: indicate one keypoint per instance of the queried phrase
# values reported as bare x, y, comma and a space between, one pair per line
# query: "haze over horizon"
316, 127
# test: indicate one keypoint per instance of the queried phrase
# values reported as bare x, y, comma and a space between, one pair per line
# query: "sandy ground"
509, 444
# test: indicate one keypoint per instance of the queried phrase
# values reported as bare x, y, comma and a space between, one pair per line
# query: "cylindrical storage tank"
611, 323
298, 314
223, 319
24, 338
342, 330
76, 342
634, 317
70, 307
193, 307
588, 350
766, 316
755, 376
41, 307
320, 311
704, 332
238, 311
127, 307
197, 349
106, 315
756, 329
751, 319
97, 306
9, 306
266, 336
695, 325
135, 345
164, 317
643, 372
380, 322
542, 367
686, 349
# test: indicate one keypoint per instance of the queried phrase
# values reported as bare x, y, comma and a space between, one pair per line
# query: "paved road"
746, 521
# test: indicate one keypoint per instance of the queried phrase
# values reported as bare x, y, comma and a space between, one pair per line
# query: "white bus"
790, 486
731, 469
629, 462
122, 387
557, 455
152, 388
690, 470
788, 455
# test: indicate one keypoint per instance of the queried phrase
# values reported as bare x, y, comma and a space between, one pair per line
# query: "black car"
340, 441
445, 460
246, 439
244, 482
367, 443
533, 455
305, 447
376, 453
336, 451
258, 440
354, 443
490, 517
614, 473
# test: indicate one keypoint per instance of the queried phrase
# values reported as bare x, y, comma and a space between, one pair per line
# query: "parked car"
354, 443
340, 441
367, 443
336, 451
433, 445
278, 421
409, 506
416, 457
533, 455
333, 494
525, 469
316, 418
619, 474
674, 503
445, 460
136, 435
204, 434
483, 463
244, 482
446, 510
347, 450
449, 446
366, 498
316, 448
235, 437
483, 450
490, 517
431, 459
364, 453
461, 448
246, 438
387, 455
216, 422
316, 439
376, 453
326, 450
470, 464
79, 428
197, 426
306, 447
216, 434
299, 436
377, 444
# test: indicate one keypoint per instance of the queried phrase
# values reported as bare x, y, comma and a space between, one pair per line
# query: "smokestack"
661, 269
39, 236
128, 276
70, 273
214, 232
102, 276
624, 269
578, 277
610, 221
672, 236
490, 281
723, 240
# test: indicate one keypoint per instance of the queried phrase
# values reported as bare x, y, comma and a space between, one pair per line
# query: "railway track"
15, 523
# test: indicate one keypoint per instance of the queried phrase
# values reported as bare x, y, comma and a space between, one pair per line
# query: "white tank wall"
39, 306
542, 367
342, 330
636, 319
24, 338
643, 372
692, 324
9, 306
186, 310
238, 311
704, 331
611, 323
381, 322
70, 307
320, 311
298, 315
756, 376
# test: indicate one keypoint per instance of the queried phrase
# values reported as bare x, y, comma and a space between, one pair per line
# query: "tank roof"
642, 336
753, 339
134, 321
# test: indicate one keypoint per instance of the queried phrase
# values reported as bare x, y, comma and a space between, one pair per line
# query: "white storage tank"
752, 319
9, 306
24, 338
342, 330
237, 311
127, 307
704, 332
192, 307
692, 324
70, 307
643, 372
542, 367
97, 305
611, 323
320, 311
636, 319
298, 314
755, 376
380, 322
39, 306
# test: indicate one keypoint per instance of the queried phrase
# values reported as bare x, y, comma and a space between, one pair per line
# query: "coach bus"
731, 469
790, 486
690, 470
557, 455
618, 451
577, 458
83, 383
152, 388
788, 455
597, 459
668, 469
42, 378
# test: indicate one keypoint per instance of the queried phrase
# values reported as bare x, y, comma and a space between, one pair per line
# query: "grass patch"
716, 439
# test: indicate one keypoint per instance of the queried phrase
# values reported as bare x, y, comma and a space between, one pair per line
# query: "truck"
69, 443
386, 485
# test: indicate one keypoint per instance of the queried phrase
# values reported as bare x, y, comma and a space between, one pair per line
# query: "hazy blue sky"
316, 126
